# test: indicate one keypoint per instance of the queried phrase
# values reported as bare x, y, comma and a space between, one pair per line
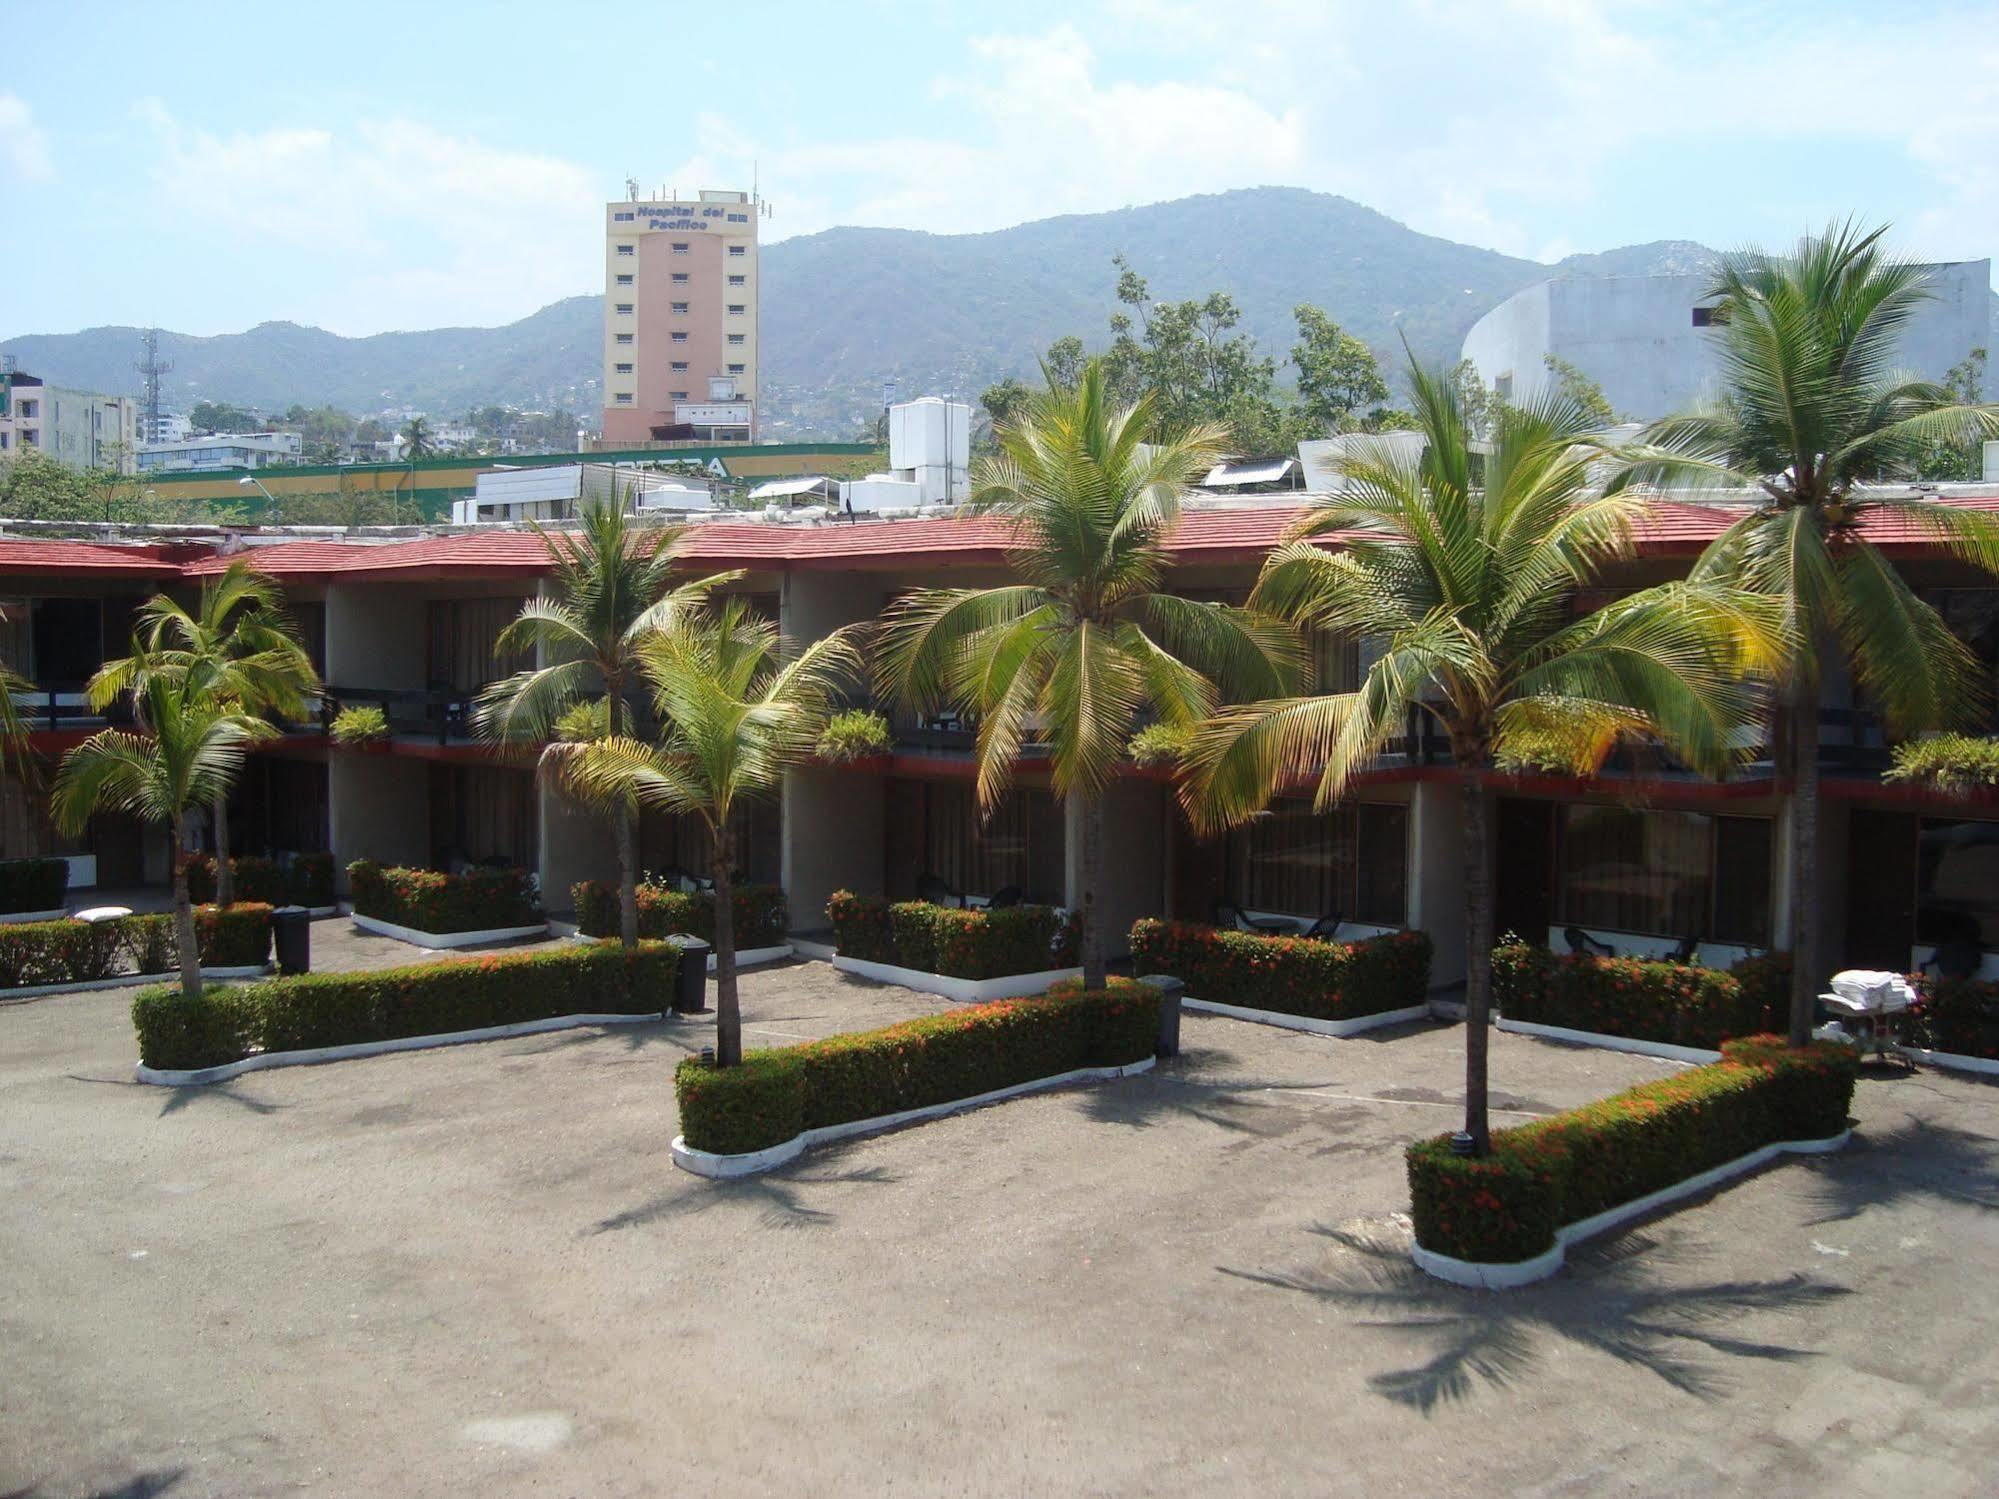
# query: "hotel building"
1645, 855
680, 319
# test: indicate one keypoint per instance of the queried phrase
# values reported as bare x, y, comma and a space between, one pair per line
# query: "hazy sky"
365, 166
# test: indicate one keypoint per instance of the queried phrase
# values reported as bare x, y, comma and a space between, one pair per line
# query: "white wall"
1437, 876
1635, 335
378, 808
832, 838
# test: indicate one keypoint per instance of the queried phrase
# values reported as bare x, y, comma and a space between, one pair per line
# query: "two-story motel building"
1645, 854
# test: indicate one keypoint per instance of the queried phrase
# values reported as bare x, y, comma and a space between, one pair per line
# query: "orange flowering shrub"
479, 900
1287, 975
1506, 1206
1679, 1003
770, 1096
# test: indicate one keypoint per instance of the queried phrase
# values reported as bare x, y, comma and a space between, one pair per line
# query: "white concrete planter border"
417, 938
11, 917
964, 991
121, 980
167, 1077
748, 957
1505, 1277
1956, 1061
1310, 1023
1664, 1050
748, 1163
823, 952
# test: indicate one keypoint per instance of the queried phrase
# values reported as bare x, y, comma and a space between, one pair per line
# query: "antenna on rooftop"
151, 368
632, 188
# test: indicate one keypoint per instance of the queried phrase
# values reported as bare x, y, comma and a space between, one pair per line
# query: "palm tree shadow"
179, 1098
1233, 1105
1916, 1159
1608, 1302
139, 1486
773, 1193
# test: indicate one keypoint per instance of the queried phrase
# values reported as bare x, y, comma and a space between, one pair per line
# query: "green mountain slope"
846, 309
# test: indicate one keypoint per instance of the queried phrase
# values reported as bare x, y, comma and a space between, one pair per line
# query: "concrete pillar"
575, 845
832, 838
1134, 862
378, 808
1437, 876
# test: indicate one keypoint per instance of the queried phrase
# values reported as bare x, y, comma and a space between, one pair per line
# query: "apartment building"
1645, 854
81, 428
680, 318
219, 450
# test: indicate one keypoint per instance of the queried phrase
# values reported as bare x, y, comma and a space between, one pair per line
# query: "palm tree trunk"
728, 1018
1804, 751
225, 877
184, 938
628, 878
1478, 961
1090, 936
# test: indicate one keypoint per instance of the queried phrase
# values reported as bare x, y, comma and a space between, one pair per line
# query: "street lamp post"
253, 479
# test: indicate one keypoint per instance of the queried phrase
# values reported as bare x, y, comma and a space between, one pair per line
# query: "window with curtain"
683, 842
1353, 860
462, 632
481, 814
1335, 661
1664, 873
1957, 881
935, 828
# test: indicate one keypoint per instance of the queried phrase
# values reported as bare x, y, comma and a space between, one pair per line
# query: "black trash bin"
1170, 990
690, 990
291, 935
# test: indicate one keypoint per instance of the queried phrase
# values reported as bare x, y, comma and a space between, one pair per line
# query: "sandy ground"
475, 1271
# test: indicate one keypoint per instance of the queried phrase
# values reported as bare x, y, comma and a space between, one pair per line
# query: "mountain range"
846, 309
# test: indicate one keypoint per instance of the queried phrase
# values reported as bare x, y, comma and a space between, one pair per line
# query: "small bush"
970, 944
855, 735
1955, 1015
1949, 762
34, 953
364, 723
1158, 744
480, 900
772, 1095
762, 917
225, 1024
861, 927
33, 884
1287, 975
1506, 1206
584, 722
306, 881
1680, 1004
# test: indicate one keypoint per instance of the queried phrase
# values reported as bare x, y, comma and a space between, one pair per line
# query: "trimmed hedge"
771, 1096
33, 953
959, 944
861, 927
1287, 975
1954, 1015
33, 884
227, 1023
1678, 1003
480, 900
762, 917
308, 881
1506, 1206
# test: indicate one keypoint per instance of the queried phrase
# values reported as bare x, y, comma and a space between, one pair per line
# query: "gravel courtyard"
475, 1271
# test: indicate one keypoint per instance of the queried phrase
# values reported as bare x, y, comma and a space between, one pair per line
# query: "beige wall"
575, 845
378, 808
375, 636
832, 838
1134, 861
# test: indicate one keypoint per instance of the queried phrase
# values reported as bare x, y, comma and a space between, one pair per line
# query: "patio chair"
1326, 928
938, 891
1233, 918
1684, 953
1581, 941
1955, 958
1006, 895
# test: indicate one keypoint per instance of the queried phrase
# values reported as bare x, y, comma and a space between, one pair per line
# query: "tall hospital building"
680, 318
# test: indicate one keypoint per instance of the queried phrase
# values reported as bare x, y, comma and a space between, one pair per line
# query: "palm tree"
416, 439
736, 709
1812, 413
613, 587
238, 646
1087, 640
14, 754
191, 751
1465, 581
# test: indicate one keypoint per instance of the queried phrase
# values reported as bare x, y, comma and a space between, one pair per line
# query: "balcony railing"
50, 707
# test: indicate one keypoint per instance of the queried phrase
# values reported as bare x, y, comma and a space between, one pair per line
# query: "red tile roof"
1218, 535
87, 559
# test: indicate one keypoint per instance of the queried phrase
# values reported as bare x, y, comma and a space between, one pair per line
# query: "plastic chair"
1326, 928
1581, 941
1006, 895
938, 891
